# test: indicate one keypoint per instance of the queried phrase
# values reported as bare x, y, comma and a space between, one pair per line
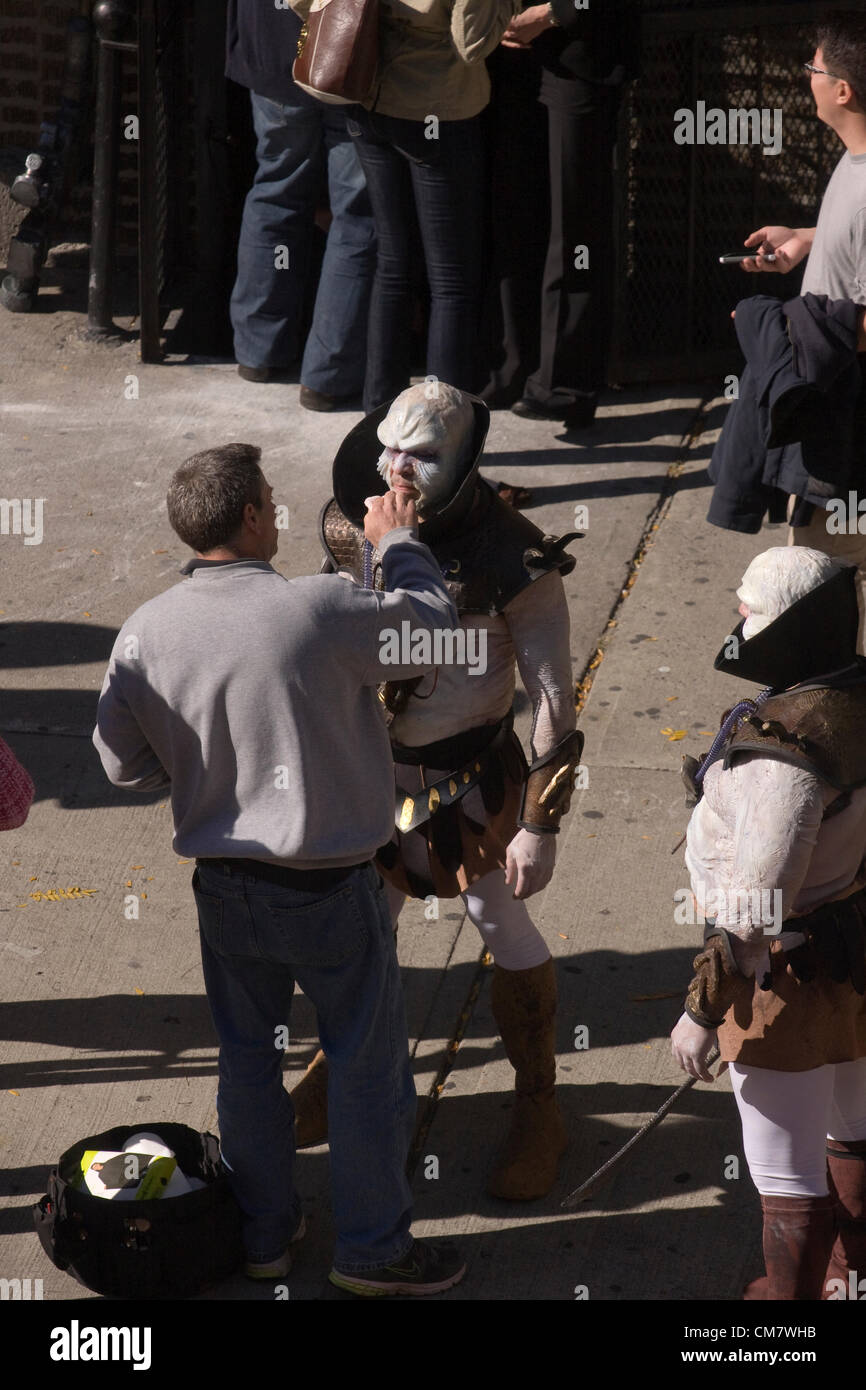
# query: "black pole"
102, 237
114, 22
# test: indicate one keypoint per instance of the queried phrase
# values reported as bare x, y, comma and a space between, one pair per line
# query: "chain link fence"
680, 206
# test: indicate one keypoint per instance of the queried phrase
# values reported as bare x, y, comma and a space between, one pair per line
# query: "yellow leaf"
563, 935
136, 866
129, 883
671, 697
138, 991
14, 1093
184, 861
88, 615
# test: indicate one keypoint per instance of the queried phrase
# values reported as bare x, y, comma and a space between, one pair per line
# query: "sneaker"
427, 1267
279, 1268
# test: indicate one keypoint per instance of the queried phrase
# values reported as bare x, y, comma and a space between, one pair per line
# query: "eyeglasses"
810, 67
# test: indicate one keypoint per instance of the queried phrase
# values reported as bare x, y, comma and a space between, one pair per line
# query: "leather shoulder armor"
343, 542
820, 730
496, 554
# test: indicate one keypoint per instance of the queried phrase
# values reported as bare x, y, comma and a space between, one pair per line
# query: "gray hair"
209, 492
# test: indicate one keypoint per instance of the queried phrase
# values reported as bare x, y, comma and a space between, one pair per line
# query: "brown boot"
798, 1237
310, 1099
524, 1006
846, 1161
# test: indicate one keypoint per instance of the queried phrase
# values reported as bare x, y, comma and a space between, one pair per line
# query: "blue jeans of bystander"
257, 939
294, 138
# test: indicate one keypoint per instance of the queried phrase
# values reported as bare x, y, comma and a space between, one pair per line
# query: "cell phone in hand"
736, 256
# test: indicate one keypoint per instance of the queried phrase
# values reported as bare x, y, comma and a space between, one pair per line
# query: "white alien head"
777, 578
427, 441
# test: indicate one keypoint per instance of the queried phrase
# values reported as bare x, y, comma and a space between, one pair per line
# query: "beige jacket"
432, 55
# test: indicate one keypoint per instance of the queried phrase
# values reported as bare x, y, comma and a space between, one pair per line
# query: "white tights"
506, 927
787, 1117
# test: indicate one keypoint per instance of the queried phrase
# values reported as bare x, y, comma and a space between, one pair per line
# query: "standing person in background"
836, 247
296, 137
422, 148
554, 284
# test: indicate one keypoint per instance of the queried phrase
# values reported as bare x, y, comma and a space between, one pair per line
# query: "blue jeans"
294, 139
257, 939
440, 181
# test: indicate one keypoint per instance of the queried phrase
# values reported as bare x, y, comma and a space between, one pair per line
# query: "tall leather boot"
798, 1238
524, 1006
846, 1162
310, 1099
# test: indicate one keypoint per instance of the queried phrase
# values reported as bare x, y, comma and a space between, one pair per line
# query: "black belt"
308, 880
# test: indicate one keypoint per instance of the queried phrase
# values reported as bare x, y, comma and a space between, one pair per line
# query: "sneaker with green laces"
427, 1267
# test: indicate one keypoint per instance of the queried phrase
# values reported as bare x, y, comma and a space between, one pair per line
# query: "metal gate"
680, 206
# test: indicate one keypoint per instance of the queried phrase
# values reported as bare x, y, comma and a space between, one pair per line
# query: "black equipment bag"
169, 1247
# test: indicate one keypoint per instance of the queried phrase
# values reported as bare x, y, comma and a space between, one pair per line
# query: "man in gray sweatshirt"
252, 701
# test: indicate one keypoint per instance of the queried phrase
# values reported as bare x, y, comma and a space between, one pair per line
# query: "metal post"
102, 236
112, 19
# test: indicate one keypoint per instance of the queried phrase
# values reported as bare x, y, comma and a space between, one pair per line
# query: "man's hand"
386, 513
526, 26
691, 1045
529, 862
788, 245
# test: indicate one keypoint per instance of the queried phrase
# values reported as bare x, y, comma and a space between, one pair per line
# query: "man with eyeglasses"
836, 247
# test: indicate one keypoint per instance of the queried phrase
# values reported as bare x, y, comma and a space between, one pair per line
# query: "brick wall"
32, 50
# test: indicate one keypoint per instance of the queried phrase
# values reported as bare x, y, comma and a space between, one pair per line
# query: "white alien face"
777, 578
427, 440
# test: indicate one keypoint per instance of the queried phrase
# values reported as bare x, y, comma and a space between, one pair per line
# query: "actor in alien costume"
781, 810
470, 817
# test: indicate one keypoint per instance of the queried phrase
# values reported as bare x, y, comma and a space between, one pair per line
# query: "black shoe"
578, 415
427, 1267
262, 373
317, 400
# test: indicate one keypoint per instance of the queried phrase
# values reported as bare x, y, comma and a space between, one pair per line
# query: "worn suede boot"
310, 1099
798, 1238
846, 1162
524, 1006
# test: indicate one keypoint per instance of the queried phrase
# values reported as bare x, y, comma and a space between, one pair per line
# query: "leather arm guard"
714, 987
549, 786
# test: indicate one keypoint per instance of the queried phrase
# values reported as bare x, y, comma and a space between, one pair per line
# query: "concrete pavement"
105, 1021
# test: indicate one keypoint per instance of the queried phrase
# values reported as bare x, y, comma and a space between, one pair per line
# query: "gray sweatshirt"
252, 700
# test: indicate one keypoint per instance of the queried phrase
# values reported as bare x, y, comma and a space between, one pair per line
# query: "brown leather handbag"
338, 51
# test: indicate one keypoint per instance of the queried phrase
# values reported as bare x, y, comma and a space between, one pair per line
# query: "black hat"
356, 476
815, 637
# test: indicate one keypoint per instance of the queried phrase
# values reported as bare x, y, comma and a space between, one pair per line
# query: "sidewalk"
106, 1017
